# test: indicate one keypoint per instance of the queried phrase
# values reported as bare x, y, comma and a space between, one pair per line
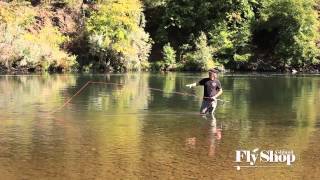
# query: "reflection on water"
214, 134
132, 132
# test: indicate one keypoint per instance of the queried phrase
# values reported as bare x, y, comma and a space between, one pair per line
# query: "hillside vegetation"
122, 35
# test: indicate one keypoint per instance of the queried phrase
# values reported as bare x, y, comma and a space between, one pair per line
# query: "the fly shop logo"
264, 158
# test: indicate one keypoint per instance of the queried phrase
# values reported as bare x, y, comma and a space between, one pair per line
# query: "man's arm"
200, 83
219, 88
218, 94
192, 85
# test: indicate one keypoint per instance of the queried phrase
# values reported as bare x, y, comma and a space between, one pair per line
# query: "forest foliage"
24, 50
249, 34
121, 35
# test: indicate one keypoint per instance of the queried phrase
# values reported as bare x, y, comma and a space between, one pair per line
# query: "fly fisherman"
212, 90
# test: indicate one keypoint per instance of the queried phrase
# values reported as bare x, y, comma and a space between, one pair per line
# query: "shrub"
201, 58
169, 57
33, 51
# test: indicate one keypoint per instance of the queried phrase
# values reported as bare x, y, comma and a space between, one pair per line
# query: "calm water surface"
133, 132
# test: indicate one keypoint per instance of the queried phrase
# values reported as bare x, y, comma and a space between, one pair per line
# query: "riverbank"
154, 67
28, 72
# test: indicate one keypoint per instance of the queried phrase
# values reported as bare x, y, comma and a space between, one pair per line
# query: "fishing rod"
109, 83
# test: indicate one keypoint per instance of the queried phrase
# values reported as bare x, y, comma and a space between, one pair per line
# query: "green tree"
226, 24
169, 56
292, 26
279, 33
116, 35
201, 58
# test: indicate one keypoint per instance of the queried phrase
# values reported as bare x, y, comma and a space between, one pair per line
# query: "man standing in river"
212, 90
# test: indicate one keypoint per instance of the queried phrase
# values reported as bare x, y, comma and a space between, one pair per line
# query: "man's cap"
213, 71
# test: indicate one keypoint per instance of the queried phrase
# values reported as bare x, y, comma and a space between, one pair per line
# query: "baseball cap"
213, 71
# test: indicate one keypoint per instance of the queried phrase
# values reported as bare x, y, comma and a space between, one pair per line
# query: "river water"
109, 131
